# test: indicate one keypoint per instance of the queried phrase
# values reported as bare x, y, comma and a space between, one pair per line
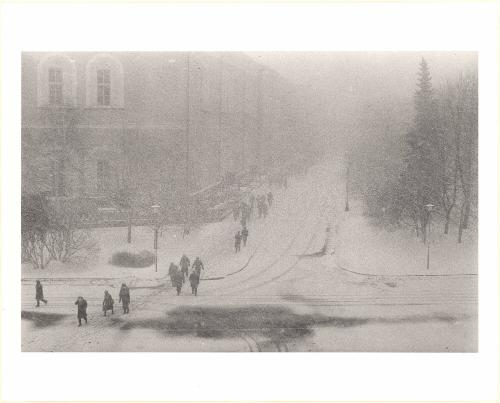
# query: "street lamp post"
429, 208
156, 209
348, 166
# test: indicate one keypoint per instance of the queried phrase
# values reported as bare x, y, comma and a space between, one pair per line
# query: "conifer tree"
420, 177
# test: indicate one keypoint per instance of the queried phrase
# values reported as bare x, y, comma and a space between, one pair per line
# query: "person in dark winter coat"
39, 294
252, 204
245, 210
264, 207
82, 310
194, 280
237, 242
171, 272
184, 264
270, 198
243, 220
198, 265
107, 304
178, 280
244, 235
124, 298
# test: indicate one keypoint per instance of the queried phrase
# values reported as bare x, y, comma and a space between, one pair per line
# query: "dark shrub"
127, 259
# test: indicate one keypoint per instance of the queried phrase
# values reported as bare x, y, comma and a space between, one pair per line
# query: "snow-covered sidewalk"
357, 245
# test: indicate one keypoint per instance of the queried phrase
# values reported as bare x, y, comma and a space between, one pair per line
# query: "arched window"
56, 81
104, 82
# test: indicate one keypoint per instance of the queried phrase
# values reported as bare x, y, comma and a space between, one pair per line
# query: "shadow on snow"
275, 324
41, 319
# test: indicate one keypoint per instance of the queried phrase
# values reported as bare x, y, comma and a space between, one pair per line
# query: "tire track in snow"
280, 256
319, 220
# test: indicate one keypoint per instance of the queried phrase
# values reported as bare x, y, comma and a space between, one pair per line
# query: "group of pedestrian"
264, 202
107, 303
180, 273
241, 236
279, 179
245, 210
124, 298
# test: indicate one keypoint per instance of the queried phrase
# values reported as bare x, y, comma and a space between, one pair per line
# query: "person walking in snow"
264, 206
107, 304
237, 242
124, 298
194, 280
244, 235
198, 266
252, 203
270, 198
171, 272
259, 206
243, 220
178, 280
82, 310
184, 264
39, 294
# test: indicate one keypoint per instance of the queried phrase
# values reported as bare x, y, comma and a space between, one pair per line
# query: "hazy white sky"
342, 88
397, 70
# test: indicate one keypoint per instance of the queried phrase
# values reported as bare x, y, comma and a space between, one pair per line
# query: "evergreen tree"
420, 177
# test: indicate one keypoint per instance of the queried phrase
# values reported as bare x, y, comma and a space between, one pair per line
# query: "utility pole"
429, 208
348, 168
259, 118
219, 145
156, 211
243, 124
188, 105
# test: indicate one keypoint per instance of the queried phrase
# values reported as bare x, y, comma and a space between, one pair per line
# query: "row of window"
56, 87
57, 81
104, 83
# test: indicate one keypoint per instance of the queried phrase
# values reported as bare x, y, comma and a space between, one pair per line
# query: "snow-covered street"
280, 293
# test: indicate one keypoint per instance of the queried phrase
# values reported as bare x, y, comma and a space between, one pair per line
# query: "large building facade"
94, 123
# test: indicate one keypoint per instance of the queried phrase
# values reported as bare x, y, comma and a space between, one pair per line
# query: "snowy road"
278, 294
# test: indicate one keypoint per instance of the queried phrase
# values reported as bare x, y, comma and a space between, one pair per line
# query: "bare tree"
34, 249
34, 227
449, 151
67, 239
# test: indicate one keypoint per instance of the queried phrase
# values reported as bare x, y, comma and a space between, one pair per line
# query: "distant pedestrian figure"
270, 198
198, 265
178, 280
237, 242
171, 272
39, 294
194, 280
259, 206
107, 304
252, 204
124, 298
263, 202
243, 220
184, 264
244, 235
82, 310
